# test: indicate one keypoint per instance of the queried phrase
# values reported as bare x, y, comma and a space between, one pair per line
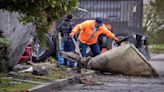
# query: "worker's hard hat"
99, 21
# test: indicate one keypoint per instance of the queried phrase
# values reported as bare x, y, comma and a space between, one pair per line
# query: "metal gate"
123, 15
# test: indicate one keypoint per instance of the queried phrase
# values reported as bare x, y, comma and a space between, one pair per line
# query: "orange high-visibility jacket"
108, 26
87, 34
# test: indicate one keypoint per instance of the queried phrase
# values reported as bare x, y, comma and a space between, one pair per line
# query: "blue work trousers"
94, 48
67, 45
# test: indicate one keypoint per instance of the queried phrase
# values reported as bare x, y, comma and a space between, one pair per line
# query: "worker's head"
99, 21
69, 17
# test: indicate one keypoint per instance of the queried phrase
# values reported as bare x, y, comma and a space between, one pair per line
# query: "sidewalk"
157, 61
157, 57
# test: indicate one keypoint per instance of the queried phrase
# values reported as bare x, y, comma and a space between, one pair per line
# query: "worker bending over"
89, 32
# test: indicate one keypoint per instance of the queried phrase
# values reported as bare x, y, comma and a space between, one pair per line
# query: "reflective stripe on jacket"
87, 34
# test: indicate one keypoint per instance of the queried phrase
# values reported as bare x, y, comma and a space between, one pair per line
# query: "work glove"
71, 34
121, 40
116, 39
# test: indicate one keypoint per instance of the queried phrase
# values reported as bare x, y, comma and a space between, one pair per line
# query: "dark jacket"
65, 27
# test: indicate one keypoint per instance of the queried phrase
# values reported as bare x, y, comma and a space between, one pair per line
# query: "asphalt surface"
119, 83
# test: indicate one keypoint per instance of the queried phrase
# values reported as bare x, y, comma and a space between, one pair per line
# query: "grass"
15, 86
156, 48
55, 73
58, 74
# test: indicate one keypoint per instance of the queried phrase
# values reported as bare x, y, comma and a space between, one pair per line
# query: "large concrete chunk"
125, 60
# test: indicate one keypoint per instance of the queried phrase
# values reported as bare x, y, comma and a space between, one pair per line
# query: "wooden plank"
27, 81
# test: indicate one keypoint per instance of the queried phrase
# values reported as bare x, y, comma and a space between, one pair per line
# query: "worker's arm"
109, 34
75, 30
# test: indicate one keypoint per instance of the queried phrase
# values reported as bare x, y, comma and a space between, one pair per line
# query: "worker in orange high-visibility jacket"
89, 33
101, 37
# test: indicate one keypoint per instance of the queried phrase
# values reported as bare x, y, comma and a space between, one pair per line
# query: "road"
119, 83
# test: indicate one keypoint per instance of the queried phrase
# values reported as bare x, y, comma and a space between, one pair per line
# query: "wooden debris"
29, 76
21, 80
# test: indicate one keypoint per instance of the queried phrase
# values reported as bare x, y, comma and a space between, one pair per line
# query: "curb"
55, 85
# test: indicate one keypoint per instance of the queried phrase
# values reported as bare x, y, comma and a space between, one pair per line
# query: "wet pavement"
119, 83
157, 61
